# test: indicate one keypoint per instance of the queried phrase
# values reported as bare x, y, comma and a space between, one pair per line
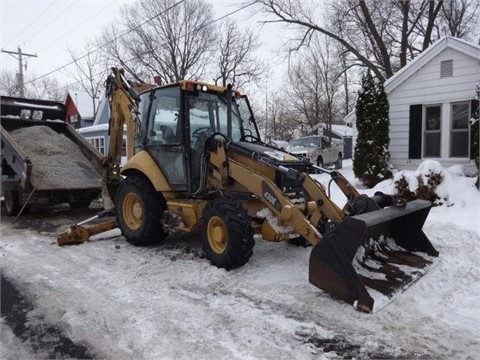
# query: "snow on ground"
168, 302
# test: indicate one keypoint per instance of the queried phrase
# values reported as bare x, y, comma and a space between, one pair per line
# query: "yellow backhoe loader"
196, 163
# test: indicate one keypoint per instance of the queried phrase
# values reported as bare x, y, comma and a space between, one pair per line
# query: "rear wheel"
338, 164
139, 208
12, 202
227, 233
319, 163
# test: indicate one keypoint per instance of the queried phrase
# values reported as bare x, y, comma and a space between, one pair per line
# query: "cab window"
164, 127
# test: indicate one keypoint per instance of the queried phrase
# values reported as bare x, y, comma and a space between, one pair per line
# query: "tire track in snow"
46, 340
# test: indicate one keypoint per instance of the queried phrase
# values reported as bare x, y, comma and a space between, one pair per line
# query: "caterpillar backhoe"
196, 163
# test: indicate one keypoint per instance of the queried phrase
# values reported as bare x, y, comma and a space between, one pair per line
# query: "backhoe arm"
123, 102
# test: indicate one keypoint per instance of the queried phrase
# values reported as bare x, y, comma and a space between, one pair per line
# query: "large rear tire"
227, 233
139, 208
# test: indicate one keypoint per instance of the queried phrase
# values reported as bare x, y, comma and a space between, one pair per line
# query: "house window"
98, 143
446, 68
432, 134
460, 134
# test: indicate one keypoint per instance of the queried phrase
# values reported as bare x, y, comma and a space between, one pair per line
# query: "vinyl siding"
427, 87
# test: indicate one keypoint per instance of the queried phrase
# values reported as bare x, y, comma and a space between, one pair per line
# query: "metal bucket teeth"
385, 250
387, 268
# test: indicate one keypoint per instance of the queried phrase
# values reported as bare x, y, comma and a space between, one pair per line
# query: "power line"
52, 20
131, 59
234, 12
99, 47
33, 22
198, 28
79, 25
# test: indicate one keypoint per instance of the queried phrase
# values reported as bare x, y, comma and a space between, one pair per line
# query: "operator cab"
174, 122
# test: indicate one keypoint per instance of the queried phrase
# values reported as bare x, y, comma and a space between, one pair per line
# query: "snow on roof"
422, 59
342, 130
433, 50
37, 106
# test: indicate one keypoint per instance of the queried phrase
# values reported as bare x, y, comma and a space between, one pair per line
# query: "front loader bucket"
384, 250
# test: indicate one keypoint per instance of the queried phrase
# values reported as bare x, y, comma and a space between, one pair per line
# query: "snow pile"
272, 220
455, 188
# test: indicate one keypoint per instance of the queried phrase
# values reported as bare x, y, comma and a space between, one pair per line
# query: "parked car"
321, 150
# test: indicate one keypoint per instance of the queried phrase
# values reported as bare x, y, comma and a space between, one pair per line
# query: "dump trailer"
44, 160
196, 162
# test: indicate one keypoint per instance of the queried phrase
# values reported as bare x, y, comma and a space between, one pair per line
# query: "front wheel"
139, 208
227, 233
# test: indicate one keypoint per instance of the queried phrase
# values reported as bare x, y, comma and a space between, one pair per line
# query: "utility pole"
19, 56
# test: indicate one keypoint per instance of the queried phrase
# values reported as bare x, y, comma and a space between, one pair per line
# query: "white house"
431, 102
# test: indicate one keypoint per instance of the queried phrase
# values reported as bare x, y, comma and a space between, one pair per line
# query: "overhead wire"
29, 25
198, 28
75, 28
131, 59
52, 20
102, 45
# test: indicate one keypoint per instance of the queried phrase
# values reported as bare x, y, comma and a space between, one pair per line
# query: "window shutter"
474, 115
415, 132
474, 109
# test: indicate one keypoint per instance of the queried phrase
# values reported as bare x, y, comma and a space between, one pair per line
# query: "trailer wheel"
227, 233
12, 202
139, 208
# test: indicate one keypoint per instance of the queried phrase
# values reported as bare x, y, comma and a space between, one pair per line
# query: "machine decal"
270, 196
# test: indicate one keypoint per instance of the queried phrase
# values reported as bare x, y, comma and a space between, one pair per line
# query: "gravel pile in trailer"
57, 162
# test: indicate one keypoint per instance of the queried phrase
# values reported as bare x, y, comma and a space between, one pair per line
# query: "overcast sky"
46, 28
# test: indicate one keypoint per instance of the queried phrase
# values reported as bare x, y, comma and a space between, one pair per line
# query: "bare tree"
110, 45
381, 35
8, 83
459, 18
89, 71
235, 60
46, 88
281, 122
170, 38
315, 83
305, 95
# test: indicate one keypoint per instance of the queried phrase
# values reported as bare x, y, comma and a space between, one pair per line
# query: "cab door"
164, 135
